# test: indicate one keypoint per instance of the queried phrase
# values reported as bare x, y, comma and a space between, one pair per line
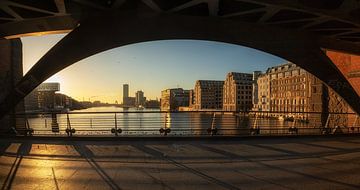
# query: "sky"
149, 66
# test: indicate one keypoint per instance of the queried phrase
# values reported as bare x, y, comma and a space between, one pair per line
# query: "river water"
148, 122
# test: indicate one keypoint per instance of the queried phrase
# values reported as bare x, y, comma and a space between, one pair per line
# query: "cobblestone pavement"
253, 163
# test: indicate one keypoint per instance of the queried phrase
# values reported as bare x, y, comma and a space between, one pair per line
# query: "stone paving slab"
301, 163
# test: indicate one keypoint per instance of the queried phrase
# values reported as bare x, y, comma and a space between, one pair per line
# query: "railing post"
236, 119
326, 127
54, 123
166, 129
140, 122
68, 130
28, 129
116, 129
213, 124
213, 130
355, 121
166, 124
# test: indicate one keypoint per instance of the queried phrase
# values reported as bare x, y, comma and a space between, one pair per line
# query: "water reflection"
142, 123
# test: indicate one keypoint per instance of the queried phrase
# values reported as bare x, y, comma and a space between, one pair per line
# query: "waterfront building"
42, 97
289, 91
31, 101
255, 87
238, 92
45, 98
125, 94
139, 98
46, 95
127, 100
191, 99
208, 94
286, 88
263, 93
172, 99
152, 104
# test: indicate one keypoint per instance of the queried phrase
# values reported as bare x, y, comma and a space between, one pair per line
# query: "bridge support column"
11, 72
349, 65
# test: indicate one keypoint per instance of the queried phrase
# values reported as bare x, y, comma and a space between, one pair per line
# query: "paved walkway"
285, 163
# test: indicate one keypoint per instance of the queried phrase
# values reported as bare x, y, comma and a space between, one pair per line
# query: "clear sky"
149, 66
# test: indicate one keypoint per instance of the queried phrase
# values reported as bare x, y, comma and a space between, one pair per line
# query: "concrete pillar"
11, 72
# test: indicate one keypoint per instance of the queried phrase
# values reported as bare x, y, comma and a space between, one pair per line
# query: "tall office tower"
125, 94
139, 98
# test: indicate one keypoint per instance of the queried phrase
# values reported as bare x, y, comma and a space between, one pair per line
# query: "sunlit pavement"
256, 163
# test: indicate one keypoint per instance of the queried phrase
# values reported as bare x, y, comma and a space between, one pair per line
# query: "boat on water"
140, 107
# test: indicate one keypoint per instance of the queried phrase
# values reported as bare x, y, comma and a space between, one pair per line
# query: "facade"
263, 93
125, 94
152, 104
289, 89
46, 95
172, 99
238, 92
191, 99
139, 98
45, 98
255, 88
31, 101
42, 98
127, 100
208, 94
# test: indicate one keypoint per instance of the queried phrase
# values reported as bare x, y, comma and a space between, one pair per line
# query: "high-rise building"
238, 92
172, 99
139, 98
208, 94
125, 94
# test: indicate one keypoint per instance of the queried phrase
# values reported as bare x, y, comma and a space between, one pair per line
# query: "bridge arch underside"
105, 32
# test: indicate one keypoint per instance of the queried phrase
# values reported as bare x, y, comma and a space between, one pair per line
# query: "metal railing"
185, 123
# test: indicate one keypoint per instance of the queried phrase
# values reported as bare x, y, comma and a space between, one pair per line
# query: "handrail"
190, 123
198, 111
